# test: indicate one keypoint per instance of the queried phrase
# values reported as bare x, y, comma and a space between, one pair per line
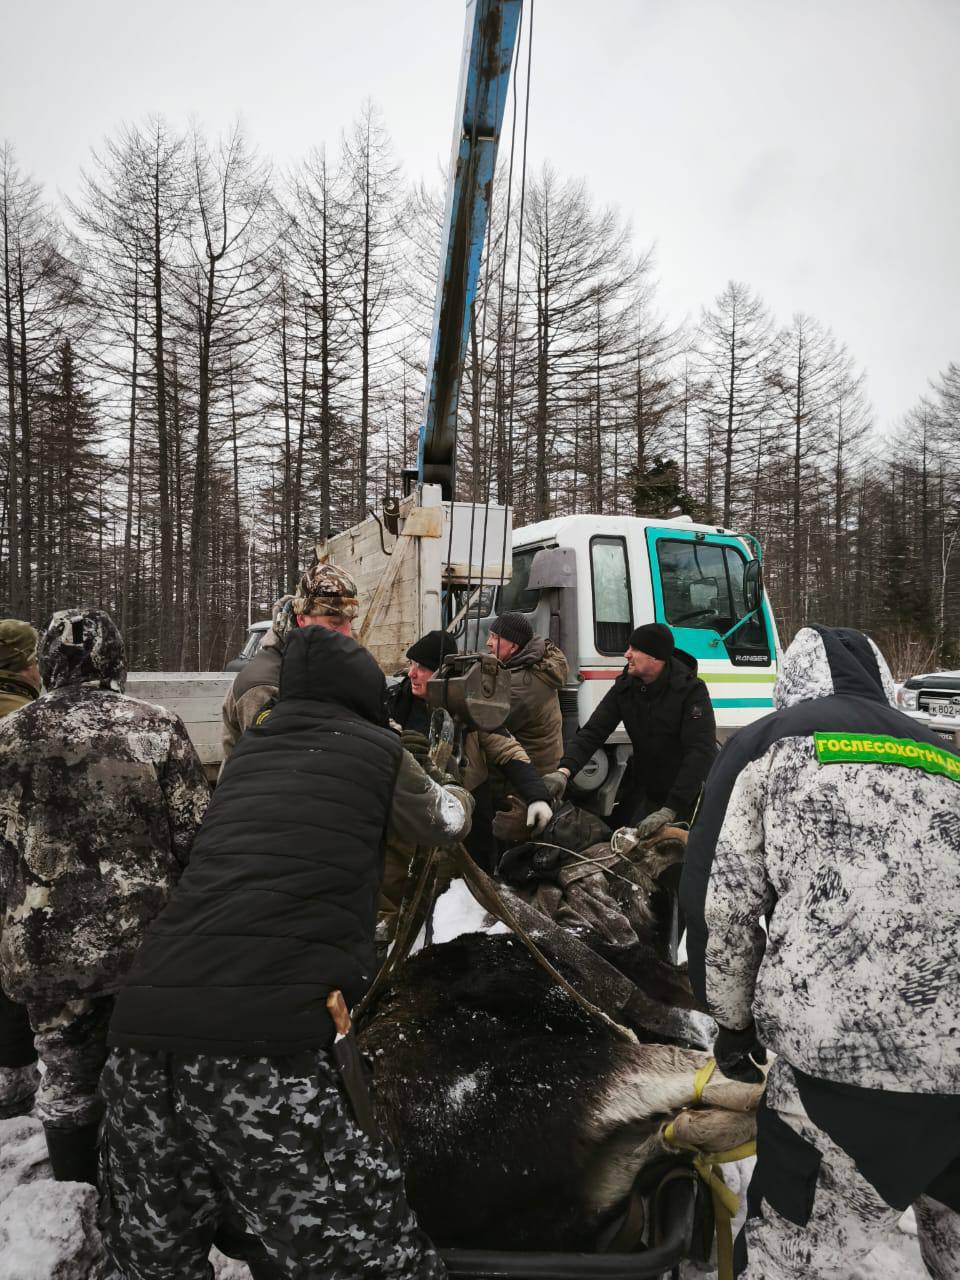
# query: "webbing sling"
414, 910
707, 1165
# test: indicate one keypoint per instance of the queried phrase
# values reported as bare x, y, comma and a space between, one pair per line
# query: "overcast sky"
810, 148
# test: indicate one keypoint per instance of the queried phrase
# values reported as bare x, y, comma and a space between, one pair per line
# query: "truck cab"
585, 582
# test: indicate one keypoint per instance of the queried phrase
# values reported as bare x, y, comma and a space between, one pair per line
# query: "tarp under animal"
546, 1083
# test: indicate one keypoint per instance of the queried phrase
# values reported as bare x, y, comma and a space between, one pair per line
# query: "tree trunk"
26, 481
13, 479
131, 454
165, 621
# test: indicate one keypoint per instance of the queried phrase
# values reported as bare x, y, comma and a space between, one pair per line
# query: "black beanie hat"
654, 639
430, 650
513, 627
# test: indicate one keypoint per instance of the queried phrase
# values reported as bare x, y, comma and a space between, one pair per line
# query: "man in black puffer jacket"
223, 1104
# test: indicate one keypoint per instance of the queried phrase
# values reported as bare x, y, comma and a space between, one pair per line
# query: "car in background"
934, 700
250, 646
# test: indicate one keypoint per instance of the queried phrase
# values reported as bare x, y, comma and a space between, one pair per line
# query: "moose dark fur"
520, 1119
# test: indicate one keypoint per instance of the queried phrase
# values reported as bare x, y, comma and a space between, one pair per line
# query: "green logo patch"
880, 748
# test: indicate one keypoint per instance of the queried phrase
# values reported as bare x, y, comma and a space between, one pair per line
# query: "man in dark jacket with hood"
836, 821
100, 795
669, 719
223, 1103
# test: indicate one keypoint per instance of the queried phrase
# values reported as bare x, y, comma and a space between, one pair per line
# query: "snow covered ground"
47, 1229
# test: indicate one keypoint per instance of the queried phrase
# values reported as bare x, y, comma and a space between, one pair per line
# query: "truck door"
697, 581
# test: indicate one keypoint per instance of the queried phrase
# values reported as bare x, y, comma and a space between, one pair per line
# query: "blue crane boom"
489, 42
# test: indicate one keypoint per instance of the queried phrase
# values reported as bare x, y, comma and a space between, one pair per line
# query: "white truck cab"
585, 582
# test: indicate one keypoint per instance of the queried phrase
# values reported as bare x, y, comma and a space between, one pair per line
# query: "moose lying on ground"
521, 1118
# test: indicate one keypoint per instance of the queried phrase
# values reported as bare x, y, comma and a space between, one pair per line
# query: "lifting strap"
415, 909
484, 890
707, 1165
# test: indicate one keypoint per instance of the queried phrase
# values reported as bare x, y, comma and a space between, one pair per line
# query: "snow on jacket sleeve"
698, 742
725, 893
424, 813
594, 733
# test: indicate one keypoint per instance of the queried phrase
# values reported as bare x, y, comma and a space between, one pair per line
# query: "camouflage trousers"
71, 1041
18, 1072
828, 1217
267, 1146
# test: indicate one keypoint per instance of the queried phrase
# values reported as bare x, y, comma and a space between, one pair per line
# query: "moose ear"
318, 558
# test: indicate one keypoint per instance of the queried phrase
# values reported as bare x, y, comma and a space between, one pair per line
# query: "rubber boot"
73, 1152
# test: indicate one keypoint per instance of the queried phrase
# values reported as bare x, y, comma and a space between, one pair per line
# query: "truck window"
702, 586
516, 596
612, 612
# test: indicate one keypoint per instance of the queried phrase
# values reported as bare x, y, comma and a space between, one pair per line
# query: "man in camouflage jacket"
100, 795
326, 596
822, 897
19, 686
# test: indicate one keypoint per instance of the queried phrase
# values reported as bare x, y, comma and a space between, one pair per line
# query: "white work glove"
654, 821
623, 840
538, 815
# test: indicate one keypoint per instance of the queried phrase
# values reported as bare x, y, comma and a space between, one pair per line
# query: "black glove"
419, 748
738, 1052
556, 784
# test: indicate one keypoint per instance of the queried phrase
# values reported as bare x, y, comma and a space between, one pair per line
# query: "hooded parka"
837, 821
538, 672
100, 796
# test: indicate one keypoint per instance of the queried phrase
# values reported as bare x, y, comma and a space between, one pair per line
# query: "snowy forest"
208, 364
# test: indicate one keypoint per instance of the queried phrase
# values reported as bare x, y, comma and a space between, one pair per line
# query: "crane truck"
584, 581
429, 560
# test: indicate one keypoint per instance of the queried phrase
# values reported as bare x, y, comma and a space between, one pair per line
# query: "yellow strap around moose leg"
702, 1077
725, 1203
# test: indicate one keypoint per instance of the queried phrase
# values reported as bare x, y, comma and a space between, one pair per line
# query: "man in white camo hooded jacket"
822, 896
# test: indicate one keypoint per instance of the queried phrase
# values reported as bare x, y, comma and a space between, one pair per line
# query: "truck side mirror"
553, 568
752, 585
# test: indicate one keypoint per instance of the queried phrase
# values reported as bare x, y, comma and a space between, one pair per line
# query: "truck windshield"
253, 643
702, 586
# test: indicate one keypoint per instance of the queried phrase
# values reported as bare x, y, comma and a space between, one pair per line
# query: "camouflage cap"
18, 645
82, 646
325, 588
